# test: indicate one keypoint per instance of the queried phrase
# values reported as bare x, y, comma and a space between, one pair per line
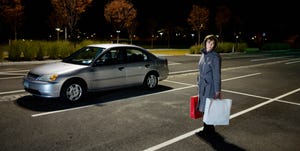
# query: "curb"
8, 63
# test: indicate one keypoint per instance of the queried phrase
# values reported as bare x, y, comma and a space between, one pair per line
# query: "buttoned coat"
209, 80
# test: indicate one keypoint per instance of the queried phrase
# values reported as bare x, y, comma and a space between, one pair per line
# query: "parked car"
96, 67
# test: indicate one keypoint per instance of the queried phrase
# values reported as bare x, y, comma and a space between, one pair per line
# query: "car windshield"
84, 56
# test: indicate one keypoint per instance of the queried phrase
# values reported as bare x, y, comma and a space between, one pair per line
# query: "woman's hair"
212, 38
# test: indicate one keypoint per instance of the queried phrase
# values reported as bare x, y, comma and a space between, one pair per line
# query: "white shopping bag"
217, 111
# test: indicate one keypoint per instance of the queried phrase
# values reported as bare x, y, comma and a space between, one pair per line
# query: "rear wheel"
73, 91
151, 81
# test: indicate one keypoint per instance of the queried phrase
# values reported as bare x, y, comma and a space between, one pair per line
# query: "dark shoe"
209, 128
205, 134
202, 134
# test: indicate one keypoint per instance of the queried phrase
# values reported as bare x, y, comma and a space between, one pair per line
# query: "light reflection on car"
94, 68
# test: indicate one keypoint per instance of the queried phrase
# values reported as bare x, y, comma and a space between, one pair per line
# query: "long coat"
209, 80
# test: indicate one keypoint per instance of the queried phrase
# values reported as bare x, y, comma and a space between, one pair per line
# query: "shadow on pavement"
93, 98
218, 142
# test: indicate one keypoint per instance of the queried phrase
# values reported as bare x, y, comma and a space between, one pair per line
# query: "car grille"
32, 91
32, 76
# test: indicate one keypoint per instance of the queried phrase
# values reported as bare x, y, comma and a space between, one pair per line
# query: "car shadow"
218, 142
92, 98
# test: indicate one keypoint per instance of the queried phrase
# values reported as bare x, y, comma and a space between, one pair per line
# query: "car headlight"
48, 77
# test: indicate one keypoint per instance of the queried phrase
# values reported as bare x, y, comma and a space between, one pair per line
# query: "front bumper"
42, 89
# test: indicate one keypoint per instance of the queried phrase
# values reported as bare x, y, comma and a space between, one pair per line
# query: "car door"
108, 72
137, 66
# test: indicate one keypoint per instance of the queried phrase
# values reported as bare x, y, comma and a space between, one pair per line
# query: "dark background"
277, 19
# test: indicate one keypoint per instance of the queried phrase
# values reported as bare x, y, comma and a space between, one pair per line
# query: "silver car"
94, 68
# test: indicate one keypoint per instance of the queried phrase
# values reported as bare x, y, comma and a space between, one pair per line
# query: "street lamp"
161, 34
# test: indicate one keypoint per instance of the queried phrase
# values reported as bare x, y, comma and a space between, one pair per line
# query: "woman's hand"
217, 95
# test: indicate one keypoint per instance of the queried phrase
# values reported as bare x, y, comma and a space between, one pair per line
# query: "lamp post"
152, 39
199, 34
66, 33
237, 42
118, 33
58, 30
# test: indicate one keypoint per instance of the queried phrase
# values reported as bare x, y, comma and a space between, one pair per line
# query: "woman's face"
210, 45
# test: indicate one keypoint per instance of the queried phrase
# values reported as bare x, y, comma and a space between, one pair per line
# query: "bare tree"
121, 14
198, 19
222, 18
12, 12
67, 12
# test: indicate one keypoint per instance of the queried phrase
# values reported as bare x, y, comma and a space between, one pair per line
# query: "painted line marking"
245, 94
176, 82
175, 63
18, 77
185, 71
186, 135
287, 102
16, 71
292, 62
257, 65
11, 73
174, 140
10, 92
263, 103
271, 58
58, 111
234, 78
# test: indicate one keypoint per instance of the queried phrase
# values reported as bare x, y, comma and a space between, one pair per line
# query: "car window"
135, 55
110, 57
83, 56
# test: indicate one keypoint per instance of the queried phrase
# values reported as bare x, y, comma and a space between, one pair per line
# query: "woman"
209, 80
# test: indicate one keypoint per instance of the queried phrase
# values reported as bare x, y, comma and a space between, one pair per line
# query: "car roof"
111, 45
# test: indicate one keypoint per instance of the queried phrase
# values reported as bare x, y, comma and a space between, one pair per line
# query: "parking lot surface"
264, 115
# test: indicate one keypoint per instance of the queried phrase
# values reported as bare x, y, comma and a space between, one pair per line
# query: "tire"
73, 91
151, 81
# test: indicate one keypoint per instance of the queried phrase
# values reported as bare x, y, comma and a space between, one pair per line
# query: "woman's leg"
208, 128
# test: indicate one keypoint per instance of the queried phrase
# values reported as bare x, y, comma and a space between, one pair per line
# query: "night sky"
279, 18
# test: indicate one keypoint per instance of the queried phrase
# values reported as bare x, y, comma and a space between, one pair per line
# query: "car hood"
57, 68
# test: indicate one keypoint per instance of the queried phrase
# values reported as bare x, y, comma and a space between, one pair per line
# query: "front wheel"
151, 81
73, 91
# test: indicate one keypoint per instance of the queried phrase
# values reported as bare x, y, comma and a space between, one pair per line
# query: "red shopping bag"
194, 113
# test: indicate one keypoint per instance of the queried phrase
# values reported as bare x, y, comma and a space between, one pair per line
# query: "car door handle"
121, 68
147, 65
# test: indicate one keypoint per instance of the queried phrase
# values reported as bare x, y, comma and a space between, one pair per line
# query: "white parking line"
263, 103
271, 58
257, 65
248, 75
17, 71
11, 73
17, 74
292, 62
17, 77
184, 71
10, 92
175, 63
58, 111
191, 133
